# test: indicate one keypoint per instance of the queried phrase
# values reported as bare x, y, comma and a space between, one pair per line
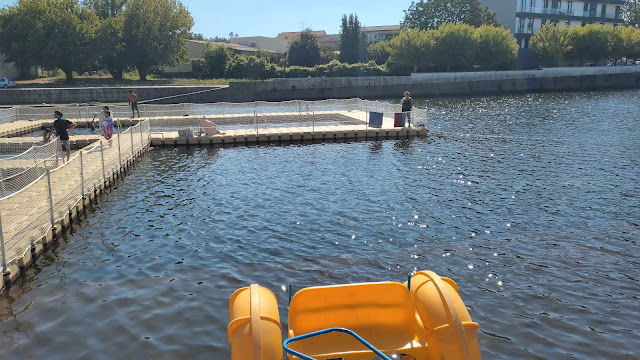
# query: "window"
603, 11
521, 25
545, 4
253, 45
569, 6
530, 26
585, 8
523, 5
592, 9
559, 5
532, 3
618, 12
526, 43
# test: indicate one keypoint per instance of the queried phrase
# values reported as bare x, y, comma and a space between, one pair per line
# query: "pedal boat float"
422, 319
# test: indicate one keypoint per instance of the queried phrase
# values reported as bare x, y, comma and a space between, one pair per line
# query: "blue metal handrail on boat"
364, 342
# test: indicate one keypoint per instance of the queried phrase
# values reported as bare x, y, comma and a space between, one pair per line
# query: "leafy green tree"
631, 13
54, 34
433, 13
109, 44
216, 58
106, 8
629, 45
378, 52
22, 28
304, 51
155, 34
551, 42
352, 40
412, 48
327, 55
455, 46
497, 48
592, 42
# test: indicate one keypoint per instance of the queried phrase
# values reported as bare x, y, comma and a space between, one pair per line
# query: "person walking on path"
62, 128
106, 127
407, 105
133, 102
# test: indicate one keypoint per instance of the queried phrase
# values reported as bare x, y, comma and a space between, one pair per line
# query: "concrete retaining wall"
29, 96
430, 84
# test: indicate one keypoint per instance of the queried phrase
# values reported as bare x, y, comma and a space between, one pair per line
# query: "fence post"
104, 175
53, 220
17, 113
131, 132
119, 155
141, 141
4, 255
82, 174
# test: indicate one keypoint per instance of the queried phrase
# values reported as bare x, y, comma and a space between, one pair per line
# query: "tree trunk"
143, 73
69, 75
116, 73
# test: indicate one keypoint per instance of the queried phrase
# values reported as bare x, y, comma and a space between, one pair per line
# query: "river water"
529, 202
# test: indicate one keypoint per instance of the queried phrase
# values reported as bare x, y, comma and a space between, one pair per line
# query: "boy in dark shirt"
62, 127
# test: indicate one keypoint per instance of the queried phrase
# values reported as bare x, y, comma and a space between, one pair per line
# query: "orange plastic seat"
383, 313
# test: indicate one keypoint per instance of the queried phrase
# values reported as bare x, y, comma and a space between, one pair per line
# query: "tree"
629, 45
433, 13
216, 58
378, 52
106, 8
304, 51
352, 40
631, 13
412, 48
20, 28
327, 55
110, 45
591, 42
497, 48
551, 42
155, 33
54, 34
455, 45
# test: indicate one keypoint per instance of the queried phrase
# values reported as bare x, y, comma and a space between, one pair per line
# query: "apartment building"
531, 15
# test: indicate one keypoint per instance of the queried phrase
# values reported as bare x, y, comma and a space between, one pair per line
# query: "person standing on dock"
62, 128
106, 127
133, 102
407, 105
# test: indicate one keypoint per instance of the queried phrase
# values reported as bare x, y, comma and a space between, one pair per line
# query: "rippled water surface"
529, 202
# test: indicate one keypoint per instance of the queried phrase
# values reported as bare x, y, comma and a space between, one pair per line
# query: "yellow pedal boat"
422, 319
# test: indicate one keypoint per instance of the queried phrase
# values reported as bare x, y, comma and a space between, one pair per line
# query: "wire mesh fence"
38, 189
226, 114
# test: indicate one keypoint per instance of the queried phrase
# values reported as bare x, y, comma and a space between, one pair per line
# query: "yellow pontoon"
423, 318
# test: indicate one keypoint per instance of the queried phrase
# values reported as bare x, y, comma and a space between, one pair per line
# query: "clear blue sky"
270, 17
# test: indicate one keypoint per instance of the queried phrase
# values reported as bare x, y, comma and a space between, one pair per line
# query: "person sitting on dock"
208, 127
62, 128
106, 127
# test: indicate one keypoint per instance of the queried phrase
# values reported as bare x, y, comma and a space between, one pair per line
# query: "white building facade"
531, 15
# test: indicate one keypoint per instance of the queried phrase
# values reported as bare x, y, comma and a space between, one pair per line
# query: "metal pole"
53, 220
104, 175
313, 122
4, 255
119, 155
255, 121
81, 174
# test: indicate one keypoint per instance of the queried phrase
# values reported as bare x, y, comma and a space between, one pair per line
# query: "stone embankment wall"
423, 85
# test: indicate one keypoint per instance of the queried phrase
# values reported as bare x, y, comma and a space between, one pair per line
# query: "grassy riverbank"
108, 81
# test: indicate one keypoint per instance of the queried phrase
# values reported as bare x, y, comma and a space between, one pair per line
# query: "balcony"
565, 12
